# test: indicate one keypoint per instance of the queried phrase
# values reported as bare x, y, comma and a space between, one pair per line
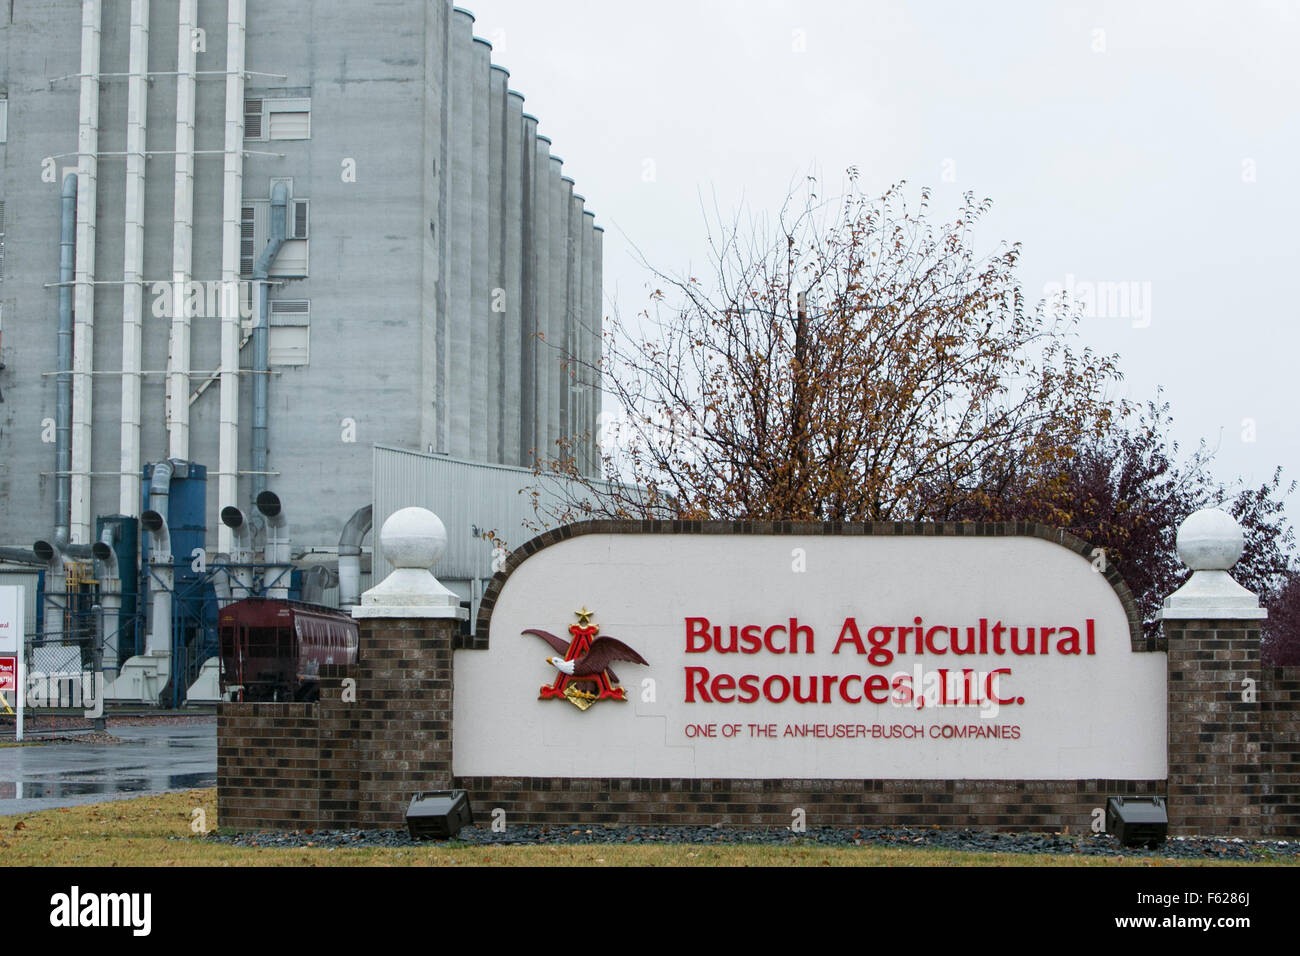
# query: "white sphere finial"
1210, 540
413, 538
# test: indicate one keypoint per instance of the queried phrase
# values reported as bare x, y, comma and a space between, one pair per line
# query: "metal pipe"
50, 553
354, 532
261, 335
133, 258
19, 556
83, 336
161, 575
278, 552
232, 203
241, 551
178, 378
221, 582
314, 582
63, 397
110, 592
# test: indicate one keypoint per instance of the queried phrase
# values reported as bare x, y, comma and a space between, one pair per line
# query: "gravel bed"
1199, 848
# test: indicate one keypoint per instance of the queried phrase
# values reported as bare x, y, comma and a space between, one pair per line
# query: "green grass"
156, 831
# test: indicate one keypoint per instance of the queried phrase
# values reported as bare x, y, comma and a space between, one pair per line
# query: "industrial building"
243, 242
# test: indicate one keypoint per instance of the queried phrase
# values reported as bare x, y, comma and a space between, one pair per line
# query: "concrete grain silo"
261, 237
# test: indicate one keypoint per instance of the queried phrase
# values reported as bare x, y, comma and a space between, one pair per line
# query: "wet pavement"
150, 759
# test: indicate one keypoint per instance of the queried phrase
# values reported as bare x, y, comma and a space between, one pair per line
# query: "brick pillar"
403, 738
398, 732
1215, 782
1212, 630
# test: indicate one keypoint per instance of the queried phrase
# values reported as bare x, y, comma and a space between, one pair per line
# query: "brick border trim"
1139, 643
1038, 805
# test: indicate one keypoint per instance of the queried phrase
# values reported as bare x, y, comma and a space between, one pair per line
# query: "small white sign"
12, 605
11, 619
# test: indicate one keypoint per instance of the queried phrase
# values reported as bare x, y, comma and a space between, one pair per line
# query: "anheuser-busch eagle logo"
584, 672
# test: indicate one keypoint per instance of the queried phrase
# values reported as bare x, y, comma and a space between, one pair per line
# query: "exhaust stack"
241, 553
275, 578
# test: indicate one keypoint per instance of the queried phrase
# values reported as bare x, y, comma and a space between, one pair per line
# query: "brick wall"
1279, 695
1049, 805
1234, 765
345, 762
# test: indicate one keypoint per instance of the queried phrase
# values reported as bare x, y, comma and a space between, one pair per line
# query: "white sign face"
827, 657
11, 618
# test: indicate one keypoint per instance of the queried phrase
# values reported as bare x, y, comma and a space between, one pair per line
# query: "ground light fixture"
438, 814
1137, 821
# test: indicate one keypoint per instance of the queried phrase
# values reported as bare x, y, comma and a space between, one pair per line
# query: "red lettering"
876, 682
696, 679
844, 686
849, 632
753, 643
748, 687
795, 630
929, 640
697, 627
767, 638
990, 689
723, 682
767, 688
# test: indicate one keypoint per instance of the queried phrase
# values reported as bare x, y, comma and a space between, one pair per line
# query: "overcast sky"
1151, 144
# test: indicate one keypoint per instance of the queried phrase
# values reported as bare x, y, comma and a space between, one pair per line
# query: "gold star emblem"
584, 616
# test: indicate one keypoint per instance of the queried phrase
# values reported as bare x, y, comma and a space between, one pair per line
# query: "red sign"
8, 676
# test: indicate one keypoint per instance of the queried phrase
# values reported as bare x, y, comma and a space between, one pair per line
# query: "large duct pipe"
19, 556
261, 336
241, 552
314, 582
221, 586
110, 594
277, 553
354, 532
83, 335
161, 575
231, 206
137, 103
63, 395
50, 553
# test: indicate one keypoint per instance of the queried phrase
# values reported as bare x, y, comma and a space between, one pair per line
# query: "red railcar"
272, 650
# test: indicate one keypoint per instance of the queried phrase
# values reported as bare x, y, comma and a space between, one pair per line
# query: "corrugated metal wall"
469, 498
